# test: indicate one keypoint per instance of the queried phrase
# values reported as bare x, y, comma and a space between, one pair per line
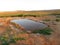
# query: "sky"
12, 5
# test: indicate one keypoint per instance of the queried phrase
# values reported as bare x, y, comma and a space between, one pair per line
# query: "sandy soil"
35, 39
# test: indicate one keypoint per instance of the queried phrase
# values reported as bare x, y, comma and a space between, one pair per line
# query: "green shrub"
46, 20
46, 31
7, 38
57, 20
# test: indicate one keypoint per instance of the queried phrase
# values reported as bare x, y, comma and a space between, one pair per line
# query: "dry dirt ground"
35, 39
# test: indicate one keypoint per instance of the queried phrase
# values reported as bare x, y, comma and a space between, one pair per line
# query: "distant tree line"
21, 15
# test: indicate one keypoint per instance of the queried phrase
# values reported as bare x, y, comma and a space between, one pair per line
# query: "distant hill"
35, 12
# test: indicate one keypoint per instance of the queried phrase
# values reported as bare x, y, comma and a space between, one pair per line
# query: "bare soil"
35, 39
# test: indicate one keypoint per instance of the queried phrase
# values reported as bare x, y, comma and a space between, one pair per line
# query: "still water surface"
30, 24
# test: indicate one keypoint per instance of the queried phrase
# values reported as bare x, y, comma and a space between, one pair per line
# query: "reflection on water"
29, 24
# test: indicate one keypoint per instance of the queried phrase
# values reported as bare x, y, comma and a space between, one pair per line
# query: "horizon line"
29, 10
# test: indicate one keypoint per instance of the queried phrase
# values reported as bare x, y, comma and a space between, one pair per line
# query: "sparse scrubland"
14, 34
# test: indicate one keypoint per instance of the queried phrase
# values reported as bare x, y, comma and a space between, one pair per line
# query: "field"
29, 13
14, 34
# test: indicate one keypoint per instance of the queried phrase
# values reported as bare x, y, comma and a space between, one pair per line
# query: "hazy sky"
10, 5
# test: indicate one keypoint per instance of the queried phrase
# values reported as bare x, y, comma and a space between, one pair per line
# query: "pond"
29, 24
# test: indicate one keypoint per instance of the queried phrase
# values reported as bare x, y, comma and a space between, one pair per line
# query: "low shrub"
57, 20
46, 20
9, 37
46, 31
